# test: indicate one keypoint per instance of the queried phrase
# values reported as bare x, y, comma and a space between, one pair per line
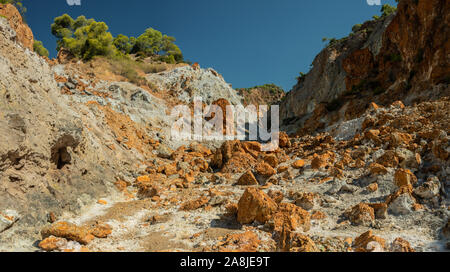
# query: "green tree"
124, 44
152, 42
84, 38
39, 48
149, 43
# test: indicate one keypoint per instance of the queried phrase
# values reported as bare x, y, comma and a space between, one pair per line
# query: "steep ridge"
403, 56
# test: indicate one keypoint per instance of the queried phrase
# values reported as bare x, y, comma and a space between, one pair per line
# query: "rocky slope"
403, 56
87, 164
69, 136
268, 94
23, 32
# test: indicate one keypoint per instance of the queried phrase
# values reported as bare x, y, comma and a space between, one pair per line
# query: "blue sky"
250, 42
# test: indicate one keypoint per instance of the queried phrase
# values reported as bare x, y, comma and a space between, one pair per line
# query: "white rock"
429, 189
402, 205
7, 219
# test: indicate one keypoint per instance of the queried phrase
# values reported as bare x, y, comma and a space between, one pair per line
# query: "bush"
356, 28
130, 69
39, 48
387, 10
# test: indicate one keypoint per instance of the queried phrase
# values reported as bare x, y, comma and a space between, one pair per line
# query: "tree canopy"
82, 37
86, 38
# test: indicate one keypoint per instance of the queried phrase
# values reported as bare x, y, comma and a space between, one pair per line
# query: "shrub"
130, 69
39, 48
356, 28
387, 10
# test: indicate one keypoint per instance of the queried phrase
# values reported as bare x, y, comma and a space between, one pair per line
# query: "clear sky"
250, 42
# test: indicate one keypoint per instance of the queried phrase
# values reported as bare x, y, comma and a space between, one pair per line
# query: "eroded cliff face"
398, 57
24, 33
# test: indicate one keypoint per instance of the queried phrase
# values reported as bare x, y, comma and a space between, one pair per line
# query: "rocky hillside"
268, 94
23, 32
403, 56
87, 163
71, 132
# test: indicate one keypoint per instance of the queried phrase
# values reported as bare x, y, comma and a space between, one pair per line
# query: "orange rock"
255, 205
361, 214
271, 160
282, 169
284, 140
373, 187
23, 31
321, 161
298, 164
265, 170
306, 201
318, 215
373, 106
286, 220
199, 148
389, 159
372, 134
242, 242
52, 243
101, 230
401, 245
380, 209
358, 164
400, 139
84, 249
170, 169
301, 243
277, 196
247, 179
398, 104
142, 179
377, 169
290, 216
194, 204
404, 177
148, 190
253, 148
418, 207
231, 209
364, 239
238, 163
189, 177
68, 231
121, 185
102, 202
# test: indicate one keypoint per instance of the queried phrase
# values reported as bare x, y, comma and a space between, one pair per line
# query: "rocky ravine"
86, 164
